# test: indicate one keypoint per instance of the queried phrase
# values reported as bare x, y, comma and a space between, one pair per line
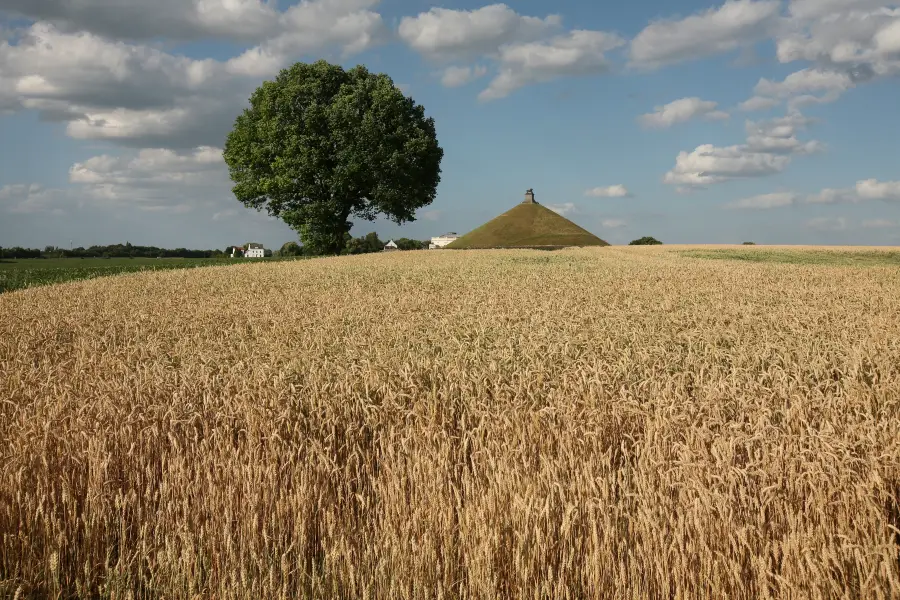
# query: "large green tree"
321, 144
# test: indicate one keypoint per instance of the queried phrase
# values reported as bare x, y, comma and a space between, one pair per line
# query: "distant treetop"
645, 241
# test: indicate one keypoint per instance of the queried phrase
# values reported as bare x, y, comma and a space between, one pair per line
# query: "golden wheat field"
621, 423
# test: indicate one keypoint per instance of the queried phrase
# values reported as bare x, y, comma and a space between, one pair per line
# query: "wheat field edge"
590, 423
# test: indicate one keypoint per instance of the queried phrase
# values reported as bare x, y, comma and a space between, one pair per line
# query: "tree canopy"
645, 241
290, 249
364, 244
320, 144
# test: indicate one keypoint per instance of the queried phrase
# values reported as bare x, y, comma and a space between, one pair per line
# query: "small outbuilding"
391, 245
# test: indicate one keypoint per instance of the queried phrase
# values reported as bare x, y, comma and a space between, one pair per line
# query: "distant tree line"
352, 245
125, 250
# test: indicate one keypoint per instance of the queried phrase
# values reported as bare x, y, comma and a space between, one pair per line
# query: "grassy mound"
526, 226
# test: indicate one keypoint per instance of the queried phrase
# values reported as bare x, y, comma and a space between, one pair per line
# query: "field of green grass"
838, 257
24, 273
30, 272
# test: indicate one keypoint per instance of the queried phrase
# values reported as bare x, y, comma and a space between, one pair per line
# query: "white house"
254, 250
390, 246
442, 240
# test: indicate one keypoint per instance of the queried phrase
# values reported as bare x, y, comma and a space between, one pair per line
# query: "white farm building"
442, 240
254, 251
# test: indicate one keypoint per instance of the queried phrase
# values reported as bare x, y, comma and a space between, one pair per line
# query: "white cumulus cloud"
812, 9
865, 189
682, 110
565, 208
612, 191
458, 76
872, 189
765, 201
708, 164
832, 196
445, 34
827, 224
33, 198
780, 135
578, 52
879, 224
758, 103
730, 26
155, 179
804, 87
805, 81
310, 23
859, 38
769, 148
136, 94
523, 49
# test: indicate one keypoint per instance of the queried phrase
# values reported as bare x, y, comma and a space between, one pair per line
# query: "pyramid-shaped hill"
527, 225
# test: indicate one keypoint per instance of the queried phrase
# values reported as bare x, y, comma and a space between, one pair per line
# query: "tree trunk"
341, 229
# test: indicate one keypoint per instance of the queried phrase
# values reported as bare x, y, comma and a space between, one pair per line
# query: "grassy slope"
528, 225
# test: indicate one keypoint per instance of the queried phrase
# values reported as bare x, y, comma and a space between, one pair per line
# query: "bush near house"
408, 244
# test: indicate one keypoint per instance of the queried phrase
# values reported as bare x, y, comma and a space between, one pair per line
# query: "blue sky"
692, 121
